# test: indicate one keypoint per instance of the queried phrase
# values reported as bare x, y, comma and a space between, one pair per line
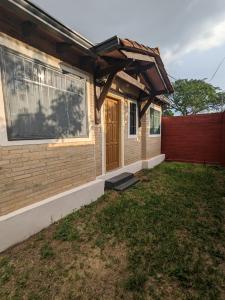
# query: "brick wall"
151, 145
223, 140
34, 172
132, 145
98, 149
197, 138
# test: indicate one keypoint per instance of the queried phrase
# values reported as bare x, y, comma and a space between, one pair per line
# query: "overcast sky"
190, 33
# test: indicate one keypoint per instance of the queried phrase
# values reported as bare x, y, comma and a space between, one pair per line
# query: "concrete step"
118, 180
125, 185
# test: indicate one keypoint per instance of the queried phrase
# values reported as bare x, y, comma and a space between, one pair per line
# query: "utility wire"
172, 77
217, 69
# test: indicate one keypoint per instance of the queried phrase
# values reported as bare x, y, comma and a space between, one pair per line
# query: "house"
72, 114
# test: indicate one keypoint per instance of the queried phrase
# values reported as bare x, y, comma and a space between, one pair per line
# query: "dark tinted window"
133, 118
155, 121
41, 102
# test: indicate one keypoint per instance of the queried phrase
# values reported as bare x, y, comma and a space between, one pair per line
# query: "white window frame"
160, 110
130, 136
33, 53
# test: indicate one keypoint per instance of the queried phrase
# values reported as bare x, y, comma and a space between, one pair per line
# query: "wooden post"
143, 110
100, 100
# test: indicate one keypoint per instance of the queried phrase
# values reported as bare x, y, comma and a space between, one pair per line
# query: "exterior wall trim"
135, 167
19, 225
25, 222
152, 162
132, 136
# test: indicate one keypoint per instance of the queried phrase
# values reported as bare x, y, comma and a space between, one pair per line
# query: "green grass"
46, 251
162, 239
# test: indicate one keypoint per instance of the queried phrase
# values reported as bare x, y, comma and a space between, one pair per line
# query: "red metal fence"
198, 139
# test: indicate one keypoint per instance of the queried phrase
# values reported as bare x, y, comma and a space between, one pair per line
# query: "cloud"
212, 36
178, 27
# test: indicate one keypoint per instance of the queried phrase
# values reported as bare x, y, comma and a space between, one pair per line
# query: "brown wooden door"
112, 133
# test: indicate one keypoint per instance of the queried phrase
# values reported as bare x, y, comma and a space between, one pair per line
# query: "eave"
43, 17
24, 21
147, 62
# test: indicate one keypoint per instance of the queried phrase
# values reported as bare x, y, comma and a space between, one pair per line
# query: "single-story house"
72, 114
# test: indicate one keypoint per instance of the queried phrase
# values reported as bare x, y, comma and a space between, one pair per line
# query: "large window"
132, 119
41, 102
155, 121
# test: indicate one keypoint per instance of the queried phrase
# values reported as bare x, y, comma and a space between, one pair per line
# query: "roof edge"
44, 17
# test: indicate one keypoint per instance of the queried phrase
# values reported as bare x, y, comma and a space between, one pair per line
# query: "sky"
189, 33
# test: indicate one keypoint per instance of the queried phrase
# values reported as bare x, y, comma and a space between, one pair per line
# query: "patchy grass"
162, 239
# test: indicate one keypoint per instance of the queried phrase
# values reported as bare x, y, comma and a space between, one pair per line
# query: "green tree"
195, 96
168, 112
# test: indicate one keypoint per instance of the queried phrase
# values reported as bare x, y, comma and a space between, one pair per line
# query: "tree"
168, 112
195, 96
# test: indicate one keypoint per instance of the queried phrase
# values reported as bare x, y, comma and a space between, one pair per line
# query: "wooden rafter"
131, 80
100, 100
138, 56
146, 79
143, 110
62, 48
111, 69
28, 28
140, 69
105, 89
111, 72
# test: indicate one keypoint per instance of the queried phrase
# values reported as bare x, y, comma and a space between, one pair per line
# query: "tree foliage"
195, 96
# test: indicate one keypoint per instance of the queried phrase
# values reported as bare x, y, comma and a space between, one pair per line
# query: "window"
132, 118
155, 121
41, 102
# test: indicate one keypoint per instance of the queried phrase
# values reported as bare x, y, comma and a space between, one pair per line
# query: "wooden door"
112, 133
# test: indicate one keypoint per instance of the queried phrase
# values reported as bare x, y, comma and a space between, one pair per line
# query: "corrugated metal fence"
198, 139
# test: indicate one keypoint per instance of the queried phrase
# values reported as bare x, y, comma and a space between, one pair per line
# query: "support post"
100, 100
144, 109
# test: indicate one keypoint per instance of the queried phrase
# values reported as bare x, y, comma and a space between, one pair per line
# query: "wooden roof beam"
131, 80
138, 56
140, 69
143, 110
62, 48
28, 28
111, 69
100, 100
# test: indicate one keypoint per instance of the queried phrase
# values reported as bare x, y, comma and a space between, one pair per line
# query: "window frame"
130, 136
4, 140
149, 114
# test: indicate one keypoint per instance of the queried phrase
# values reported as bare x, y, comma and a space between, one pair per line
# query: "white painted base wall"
135, 167
132, 168
25, 222
21, 224
151, 163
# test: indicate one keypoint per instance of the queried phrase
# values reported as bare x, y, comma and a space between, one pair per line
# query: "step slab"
126, 184
118, 180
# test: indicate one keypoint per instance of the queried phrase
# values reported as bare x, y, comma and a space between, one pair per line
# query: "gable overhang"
135, 58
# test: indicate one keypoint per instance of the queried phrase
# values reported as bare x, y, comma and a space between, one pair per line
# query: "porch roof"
135, 58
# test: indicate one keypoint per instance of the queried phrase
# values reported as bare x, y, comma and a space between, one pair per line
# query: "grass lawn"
162, 239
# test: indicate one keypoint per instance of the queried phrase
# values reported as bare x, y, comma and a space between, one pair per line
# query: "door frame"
121, 132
